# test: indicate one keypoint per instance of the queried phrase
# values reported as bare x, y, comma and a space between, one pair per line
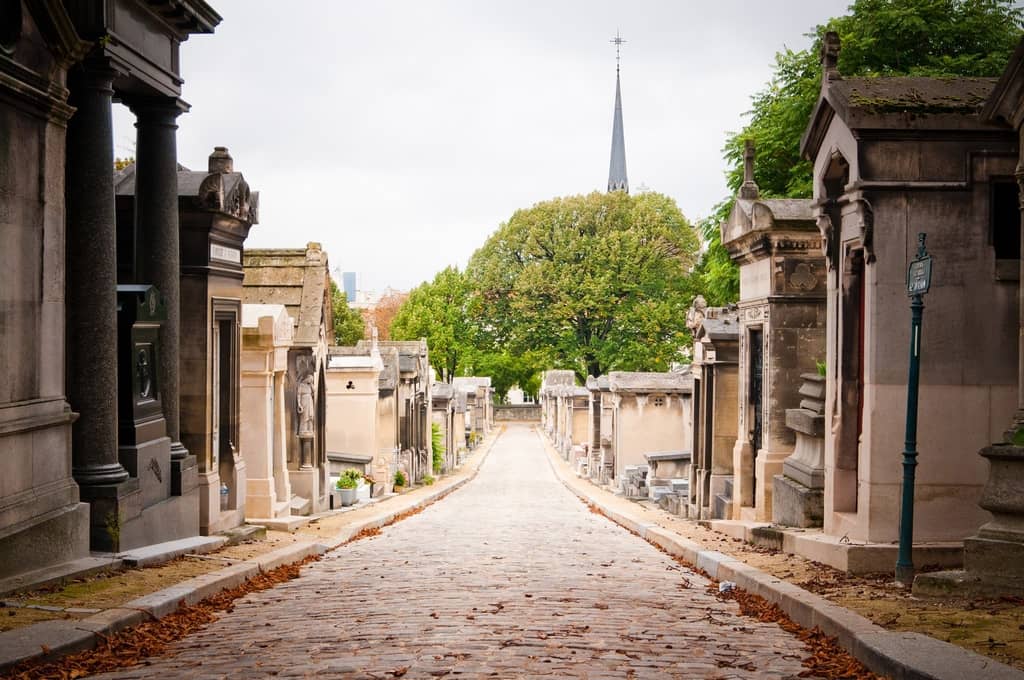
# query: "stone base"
795, 505
172, 519
59, 536
184, 475
768, 465
965, 584
993, 559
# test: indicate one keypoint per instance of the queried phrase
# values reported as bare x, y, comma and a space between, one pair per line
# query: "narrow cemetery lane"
509, 577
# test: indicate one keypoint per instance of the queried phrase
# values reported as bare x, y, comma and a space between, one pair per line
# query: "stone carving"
803, 277
866, 217
695, 317
154, 467
144, 373
304, 406
828, 240
756, 313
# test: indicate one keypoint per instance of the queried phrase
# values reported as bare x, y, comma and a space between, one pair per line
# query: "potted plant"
400, 481
347, 484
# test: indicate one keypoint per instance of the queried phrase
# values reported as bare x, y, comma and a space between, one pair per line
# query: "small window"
659, 401
1005, 213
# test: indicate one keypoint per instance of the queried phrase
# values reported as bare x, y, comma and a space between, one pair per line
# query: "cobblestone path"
509, 577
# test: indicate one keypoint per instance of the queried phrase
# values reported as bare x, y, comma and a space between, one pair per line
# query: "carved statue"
695, 317
304, 406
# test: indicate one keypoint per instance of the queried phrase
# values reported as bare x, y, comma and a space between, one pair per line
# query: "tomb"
994, 554
299, 279
442, 414
713, 409
781, 310
649, 416
266, 336
893, 157
353, 392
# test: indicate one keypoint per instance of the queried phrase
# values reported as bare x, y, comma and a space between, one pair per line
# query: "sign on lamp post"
919, 279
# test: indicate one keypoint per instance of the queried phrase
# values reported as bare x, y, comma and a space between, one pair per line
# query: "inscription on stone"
225, 254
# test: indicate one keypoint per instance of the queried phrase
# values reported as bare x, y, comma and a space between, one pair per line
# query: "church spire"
617, 180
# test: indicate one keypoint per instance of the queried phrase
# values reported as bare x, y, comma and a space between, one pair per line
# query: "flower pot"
348, 497
399, 489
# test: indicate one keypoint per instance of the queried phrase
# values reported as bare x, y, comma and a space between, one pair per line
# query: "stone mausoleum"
781, 312
893, 158
299, 279
89, 403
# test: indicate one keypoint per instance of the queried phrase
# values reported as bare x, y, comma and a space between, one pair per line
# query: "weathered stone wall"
517, 412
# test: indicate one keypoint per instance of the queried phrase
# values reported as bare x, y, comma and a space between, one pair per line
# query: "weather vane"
617, 41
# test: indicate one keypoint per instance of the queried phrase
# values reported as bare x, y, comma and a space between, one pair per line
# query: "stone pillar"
157, 257
92, 279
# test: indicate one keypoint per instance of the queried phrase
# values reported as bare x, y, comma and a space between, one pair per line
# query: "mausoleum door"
756, 395
851, 376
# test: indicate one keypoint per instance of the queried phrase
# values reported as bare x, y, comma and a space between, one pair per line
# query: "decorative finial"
617, 41
830, 47
749, 188
921, 252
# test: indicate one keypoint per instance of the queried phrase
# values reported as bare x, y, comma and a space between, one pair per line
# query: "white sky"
400, 134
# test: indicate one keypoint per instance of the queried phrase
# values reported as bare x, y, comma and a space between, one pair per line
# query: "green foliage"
436, 310
436, 447
428, 480
716, 277
400, 479
507, 369
822, 367
589, 283
349, 479
879, 38
349, 327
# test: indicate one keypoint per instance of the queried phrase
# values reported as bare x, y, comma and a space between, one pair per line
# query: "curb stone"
898, 655
50, 640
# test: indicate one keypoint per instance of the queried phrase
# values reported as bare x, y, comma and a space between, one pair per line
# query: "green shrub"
437, 447
428, 480
349, 479
822, 366
400, 478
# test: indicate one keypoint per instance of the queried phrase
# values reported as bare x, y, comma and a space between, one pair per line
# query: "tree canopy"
349, 326
436, 310
879, 38
596, 283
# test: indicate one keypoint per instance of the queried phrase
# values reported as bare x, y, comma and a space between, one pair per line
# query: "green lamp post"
919, 278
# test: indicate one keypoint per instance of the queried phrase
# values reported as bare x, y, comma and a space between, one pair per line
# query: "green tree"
349, 327
594, 283
436, 310
879, 38
507, 369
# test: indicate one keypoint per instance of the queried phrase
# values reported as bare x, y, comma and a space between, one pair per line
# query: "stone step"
59, 573
253, 531
299, 506
291, 524
158, 553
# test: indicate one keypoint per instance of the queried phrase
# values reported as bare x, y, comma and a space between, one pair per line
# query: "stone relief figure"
304, 405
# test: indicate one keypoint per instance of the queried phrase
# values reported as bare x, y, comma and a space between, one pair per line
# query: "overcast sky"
401, 134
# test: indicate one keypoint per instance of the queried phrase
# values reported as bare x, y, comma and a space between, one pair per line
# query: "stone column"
92, 278
157, 255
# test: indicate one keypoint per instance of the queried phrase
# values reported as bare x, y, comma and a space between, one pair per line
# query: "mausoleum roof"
898, 103
295, 278
442, 391
626, 381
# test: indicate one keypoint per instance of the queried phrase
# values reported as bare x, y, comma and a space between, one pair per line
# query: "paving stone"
510, 576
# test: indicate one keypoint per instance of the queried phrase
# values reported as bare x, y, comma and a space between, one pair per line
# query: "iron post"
918, 282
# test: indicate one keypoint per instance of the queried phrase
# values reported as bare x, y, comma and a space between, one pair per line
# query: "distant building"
348, 281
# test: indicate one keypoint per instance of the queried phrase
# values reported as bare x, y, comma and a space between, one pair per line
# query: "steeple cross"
617, 41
